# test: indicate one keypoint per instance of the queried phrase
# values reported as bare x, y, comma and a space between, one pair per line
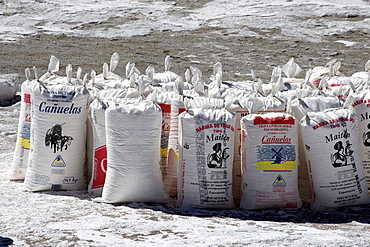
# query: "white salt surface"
125, 18
346, 43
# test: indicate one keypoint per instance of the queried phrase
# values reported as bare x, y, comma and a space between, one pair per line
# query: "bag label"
58, 162
100, 167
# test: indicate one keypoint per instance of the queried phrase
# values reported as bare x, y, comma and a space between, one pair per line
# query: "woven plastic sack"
269, 161
334, 159
22, 148
133, 132
58, 136
206, 143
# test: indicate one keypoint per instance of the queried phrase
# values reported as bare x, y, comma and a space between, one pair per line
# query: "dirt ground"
201, 48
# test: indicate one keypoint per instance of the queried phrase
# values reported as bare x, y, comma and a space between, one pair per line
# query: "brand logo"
217, 137
56, 140
165, 126
55, 108
279, 140
58, 162
339, 135
279, 182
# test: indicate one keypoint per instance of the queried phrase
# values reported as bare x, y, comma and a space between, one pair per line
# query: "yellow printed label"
25, 143
270, 165
164, 152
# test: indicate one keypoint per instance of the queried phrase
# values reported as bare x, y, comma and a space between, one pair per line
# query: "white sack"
170, 178
163, 99
269, 161
99, 167
97, 148
360, 102
133, 132
334, 159
206, 143
166, 118
164, 77
242, 108
300, 107
22, 148
57, 155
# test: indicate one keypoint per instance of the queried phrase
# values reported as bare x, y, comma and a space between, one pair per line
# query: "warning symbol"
279, 181
58, 162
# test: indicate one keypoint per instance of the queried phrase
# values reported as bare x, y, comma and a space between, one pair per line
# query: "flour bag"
269, 161
299, 108
22, 148
133, 132
206, 148
170, 178
359, 102
334, 160
241, 108
57, 155
103, 100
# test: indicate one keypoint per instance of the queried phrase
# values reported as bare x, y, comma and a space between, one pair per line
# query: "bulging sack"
58, 134
9, 85
170, 178
299, 108
206, 143
133, 132
334, 159
241, 108
163, 99
97, 149
269, 161
99, 153
359, 102
22, 148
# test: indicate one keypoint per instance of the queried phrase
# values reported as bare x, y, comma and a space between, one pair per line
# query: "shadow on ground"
348, 214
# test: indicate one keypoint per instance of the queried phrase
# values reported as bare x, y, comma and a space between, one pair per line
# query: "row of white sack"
272, 103
68, 104
275, 156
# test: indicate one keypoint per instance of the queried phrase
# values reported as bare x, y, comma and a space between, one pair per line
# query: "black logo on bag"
343, 155
56, 140
277, 156
218, 158
366, 137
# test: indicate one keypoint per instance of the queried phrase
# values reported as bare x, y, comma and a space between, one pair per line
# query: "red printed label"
181, 110
275, 120
165, 108
100, 167
27, 98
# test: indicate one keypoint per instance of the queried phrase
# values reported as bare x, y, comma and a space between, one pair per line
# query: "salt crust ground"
56, 218
339, 29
